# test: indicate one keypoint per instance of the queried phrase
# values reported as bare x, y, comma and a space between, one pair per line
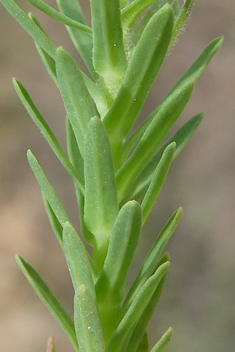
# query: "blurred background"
198, 300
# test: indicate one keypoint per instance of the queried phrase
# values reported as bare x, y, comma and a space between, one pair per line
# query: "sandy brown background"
198, 300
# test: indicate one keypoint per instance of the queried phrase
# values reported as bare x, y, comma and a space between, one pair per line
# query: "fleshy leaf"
55, 224
75, 95
110, 286
136, 309
152, 259
152, 138
48, 299
133, 10
59, 16
48, 61
46, 132
141, 72
108, 50
101, 207
193, 73
139, 28
144, 344
48, 191
82, 41
87, 322
157, 180
181, 19
164, 340
77, 260
30, 27
143, 322
181, 138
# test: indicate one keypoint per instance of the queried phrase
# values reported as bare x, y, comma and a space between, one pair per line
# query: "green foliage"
117, 172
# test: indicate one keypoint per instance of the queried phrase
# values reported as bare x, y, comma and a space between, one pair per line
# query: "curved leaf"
82, 41
164, 340
48, 299
157, 181
152, 259
46, 132
181, 138
133, 314
30, 27
59, 16
152, 138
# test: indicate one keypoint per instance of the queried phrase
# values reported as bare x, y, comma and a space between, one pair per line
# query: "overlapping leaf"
152, 138
193, 73
157, 181
46, 131
87, 322
108, 50
101, 207
30, 27
136, 309
77, 259
139, 331
110, 286
59, 16
142, 70
75, 95
152, 259
181, 138
82, 41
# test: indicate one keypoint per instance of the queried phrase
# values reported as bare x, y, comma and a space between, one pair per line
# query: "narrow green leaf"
48, 10
152, 138
110, 287
97, 95
193, 73
108, 50
142, 70
55, 224
157, 181
87, 322
30, 27
165, 339
133, 10
182, 18
151, 261
47, 190
144, 344
46, 132
77, 259
101, 207
136, 309
139, 330
75, 95
123, 3
175, 7
47, 60
181, 138
82, 41
138, 30
48, 299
